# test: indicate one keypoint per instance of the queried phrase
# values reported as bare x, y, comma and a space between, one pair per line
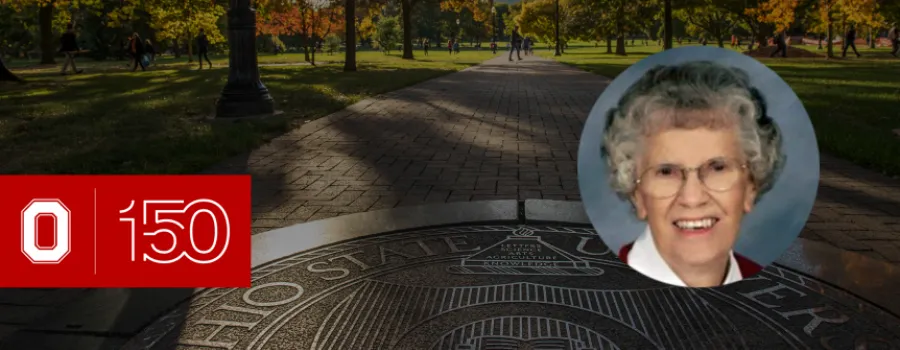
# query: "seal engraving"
509, 287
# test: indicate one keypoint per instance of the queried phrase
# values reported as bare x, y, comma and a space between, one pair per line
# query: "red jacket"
746, 266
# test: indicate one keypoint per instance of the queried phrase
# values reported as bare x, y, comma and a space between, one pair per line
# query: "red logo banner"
125, 231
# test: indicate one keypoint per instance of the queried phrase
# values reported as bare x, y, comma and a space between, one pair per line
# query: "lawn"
111, 120
854, 103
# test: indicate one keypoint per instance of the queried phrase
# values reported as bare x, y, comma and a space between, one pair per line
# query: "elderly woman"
691, 147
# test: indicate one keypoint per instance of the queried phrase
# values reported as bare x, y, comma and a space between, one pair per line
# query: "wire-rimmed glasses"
666, 180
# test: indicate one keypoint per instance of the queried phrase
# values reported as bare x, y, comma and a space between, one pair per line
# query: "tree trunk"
620, 45
350, 29
620, 33
667, 23
871, 37
761, 34
176, 49
609, 44
45, 22
312, 59
190, 47
406, 9
720, 41
830, 43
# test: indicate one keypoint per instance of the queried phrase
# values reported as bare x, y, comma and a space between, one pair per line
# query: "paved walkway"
496, 131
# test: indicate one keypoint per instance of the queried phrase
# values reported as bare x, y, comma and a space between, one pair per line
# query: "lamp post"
244, 94
493, 22
557, 29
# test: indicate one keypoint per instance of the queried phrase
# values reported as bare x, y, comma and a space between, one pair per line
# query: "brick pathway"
496, 131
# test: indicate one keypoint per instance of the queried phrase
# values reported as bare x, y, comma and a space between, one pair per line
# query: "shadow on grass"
153, 122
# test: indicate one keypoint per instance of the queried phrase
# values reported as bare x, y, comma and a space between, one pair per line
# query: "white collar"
645, 258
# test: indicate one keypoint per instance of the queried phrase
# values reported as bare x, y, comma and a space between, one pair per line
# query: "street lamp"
493, 22
244, 94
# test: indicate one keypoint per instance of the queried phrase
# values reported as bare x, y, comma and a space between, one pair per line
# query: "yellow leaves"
537, 19
863, 12
781, 13
481, 9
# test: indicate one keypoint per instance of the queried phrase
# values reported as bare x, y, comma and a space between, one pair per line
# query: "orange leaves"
304, 18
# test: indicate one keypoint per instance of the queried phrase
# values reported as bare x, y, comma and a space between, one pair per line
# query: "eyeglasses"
666, 180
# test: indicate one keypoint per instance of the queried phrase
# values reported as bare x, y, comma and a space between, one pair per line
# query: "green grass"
854, 103
111, 120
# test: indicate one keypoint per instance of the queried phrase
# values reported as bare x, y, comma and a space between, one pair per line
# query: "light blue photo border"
781, 213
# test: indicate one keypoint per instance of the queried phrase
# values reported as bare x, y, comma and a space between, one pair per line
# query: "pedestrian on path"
425, 44
894, 37
456, 47
69, 47
514, 44
780, 45
203, 49
526, 45
137, 51
493, 47
850, 41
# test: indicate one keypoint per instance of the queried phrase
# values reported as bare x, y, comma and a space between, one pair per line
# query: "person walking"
425, 44
894, 38
780, 45
69, 46
526, 44
137, 51
493, 47
514, 44
203, 49
850, 41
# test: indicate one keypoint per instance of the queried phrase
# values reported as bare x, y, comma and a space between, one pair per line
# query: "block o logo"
61, 215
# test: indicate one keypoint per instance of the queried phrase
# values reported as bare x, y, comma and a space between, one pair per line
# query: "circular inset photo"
698, 166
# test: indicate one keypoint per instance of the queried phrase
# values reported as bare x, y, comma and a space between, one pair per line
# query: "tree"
890, 10
708, 18
825, 12
537, 20
333, 43
584, 25
182, 20
780, 13
322, 22
406, 9
388, 34
309, 19
863, 13
667, 24
350, 35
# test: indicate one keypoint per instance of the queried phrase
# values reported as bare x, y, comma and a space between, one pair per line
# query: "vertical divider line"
95, 231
